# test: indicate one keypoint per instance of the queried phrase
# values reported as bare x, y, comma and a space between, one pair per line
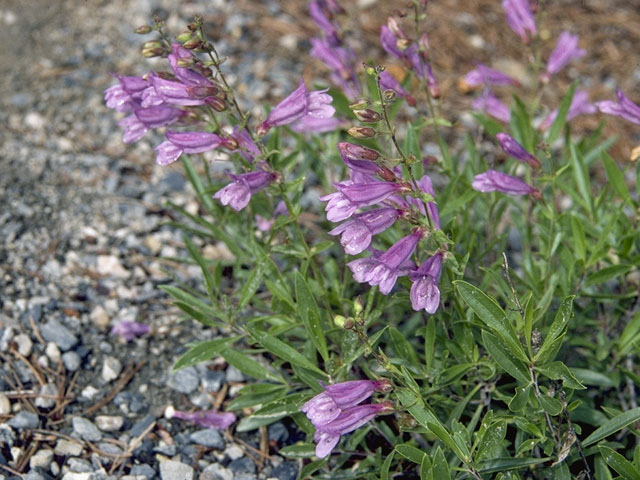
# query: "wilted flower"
483, 75
384, 269
520, 18
566, 50
513, 148
130, 330
493, 181
238, 193
207, 419
298, 105
359, 230
624, 108
580, 105
490, 104
178, 143
425, 294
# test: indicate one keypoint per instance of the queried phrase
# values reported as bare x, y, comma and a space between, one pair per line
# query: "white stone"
53, 352
99, 317
109, 423
5, 404
111, 368
42, 459
234, 452
90, 392
34, 120
172, 470
25, 345
110, 265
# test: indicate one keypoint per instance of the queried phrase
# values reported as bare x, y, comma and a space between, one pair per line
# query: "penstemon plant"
479, 317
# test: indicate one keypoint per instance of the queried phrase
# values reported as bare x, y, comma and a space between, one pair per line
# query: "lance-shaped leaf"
310, 314
556, 334
612, 426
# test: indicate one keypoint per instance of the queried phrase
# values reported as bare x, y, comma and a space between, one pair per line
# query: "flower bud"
395, 28
339, 321
186, 62
152, 52
202, 91
192, 44
369, 69
386, 174
389, 94
143, 30
357, 306
362, 132
184, 36
367, 115
423, 44
360, 104
403, 44
217, 103
154, 44
229, 143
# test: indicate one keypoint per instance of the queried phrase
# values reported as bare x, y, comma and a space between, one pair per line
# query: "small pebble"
5, 404
86, 429
233, 452
71, 361
215, 471
208, 438
67, 448
233, 374
47, 397
172, 470
240, 465
143, 470
53, 352
54, 331
89, 392
24, 343
79, 465
99, 317
42, 458
109, 423
24, 420
111, 368
140, 426
79, 476
212, 380
285, 471
184, 381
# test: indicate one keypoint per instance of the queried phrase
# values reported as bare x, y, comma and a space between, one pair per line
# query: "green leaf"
426, 468
196, 182
490, 313
503, 464
402, 347
620, 464
204, 266
519, 401
280, 291
192, 301
282, 350
605, 274
551, 405
461, 451
561, 117
490, 445
581, 176
629, 335
429, 343
410, 452
579, 240
299, 450
249, 366
612, 426
384, 470
556, 333
310, 314
559, 371
589, 377
252, 283
248, 397
202, 352
272, 412
311, 468
616, 178
498, 350
440, 466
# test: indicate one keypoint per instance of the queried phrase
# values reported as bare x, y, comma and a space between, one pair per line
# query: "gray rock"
285, 471
212, 380
215, 471
71, 361
42, 458
79, 476
184, 381
143, 470
244, 464
79, 465
109, 423
172, 470
208, 438
86, 429
47, 397
233, 374
34, 475
24, 420
24, 343
110, 448
278, 432
54, 331
67, 448
111, 368
141, 425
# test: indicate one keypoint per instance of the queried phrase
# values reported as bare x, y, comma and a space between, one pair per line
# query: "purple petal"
513, 148
208, 419
492, 181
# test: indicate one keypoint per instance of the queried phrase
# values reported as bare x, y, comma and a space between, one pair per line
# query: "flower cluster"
337, 410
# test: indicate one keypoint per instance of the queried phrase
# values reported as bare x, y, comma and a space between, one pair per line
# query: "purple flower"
425, 294
126, 94
141, 120
389, 43
238, 193
493, 181
248, 148
178, 143
318, 10
359, 158
385, 269
130, 330
624, 108
566, 50
580, 105
367, 194
490, 104
483, 75
426, 186
317, 125
186, 75
328, 435
207, 419
340, 61
170, 91
298, 105
389, 82
357, 232
513, 148
520, 18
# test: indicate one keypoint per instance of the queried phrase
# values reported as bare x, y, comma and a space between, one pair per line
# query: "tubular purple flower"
178, 143
358, 232
369, 193
130, 330
317, 125
126, 94
580, 105
425, 294
483, 75
426, 186
299, 104
340, 62
207, 419
490, 104
493, 181
520, 18
168, 91
359, 158
318, 11
624, 108
384, 270
185, 75
338, 207
248, 149
141, 120
238, 193
389, 82
389, 43
512, 148
566, 50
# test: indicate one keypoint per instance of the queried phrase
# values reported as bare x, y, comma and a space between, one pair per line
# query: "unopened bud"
192, 26
367, 115
151, 45
389, 94
202, 91
217, 103
386, 174
423, 44
359, 104
357, 306
143, 30
369, 69
339, 321
536, 340
152, 52
395, 28
184, 36
186, 62
362, 132
229, 143
192, 44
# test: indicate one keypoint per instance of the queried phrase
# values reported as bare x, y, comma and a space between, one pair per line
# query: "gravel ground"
83, 246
